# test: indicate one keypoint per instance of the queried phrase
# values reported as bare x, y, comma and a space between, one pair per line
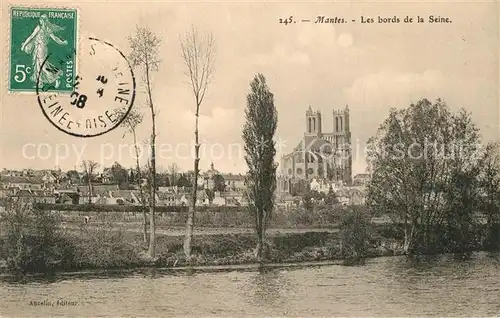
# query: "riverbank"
105, 248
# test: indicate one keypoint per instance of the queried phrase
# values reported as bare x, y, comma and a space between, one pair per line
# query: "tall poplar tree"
258, 132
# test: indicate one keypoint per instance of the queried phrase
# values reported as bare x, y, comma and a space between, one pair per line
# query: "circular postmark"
103, 92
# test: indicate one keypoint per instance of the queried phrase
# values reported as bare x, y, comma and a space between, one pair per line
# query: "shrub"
355, 235
33, 240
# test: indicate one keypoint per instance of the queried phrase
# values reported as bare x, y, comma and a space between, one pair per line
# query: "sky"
370, 67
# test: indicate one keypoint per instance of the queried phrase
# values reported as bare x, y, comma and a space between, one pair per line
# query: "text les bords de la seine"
323, 19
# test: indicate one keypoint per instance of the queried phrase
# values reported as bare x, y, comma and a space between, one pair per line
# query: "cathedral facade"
319, 155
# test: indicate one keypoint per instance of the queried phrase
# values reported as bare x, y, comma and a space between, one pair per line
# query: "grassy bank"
103, 248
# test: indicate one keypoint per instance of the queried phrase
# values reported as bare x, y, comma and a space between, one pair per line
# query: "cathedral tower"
313, 123
341, 121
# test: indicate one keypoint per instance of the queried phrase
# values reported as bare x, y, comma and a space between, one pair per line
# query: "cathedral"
319, 155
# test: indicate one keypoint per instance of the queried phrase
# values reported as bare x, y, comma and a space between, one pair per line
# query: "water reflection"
266, 288
393, 286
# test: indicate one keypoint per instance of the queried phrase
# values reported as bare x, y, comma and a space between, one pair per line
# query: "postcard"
249, 158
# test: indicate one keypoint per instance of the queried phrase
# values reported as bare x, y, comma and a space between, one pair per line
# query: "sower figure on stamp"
37, 45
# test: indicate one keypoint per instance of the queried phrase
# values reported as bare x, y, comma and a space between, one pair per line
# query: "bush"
355, 235
33, 240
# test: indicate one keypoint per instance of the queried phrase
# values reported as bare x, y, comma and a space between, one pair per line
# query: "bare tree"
198, 54
145, 55
173, 169
89, 167
130, 123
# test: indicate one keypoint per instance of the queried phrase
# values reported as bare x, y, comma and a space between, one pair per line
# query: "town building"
319, 155
234, 182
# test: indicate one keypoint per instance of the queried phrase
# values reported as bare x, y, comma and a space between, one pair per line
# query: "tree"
73, 174
130, 123
210, 195
89, 167
423, 158
162, 180
219, 183
489, 179
183, 181
32, 240
198, 54
331, 198
173, 169
120, 174
145, 55
258, 132
354, 232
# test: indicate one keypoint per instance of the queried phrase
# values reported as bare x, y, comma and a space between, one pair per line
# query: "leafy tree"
210, 194
173, 169
258, 132
423, 158
183, 181
145, 55
355, 235
132, 176
489, 179
331, 198
119, 175
33, 240
73, 174
163, 180
219, 183
308, 201
198, 53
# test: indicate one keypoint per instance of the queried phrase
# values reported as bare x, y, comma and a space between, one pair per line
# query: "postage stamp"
43, 46
103, 91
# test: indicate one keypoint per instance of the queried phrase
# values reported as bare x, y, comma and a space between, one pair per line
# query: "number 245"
286, 20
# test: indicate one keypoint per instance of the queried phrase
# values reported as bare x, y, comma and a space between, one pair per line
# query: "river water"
392, 286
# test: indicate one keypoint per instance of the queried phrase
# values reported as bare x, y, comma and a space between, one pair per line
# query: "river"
390, 286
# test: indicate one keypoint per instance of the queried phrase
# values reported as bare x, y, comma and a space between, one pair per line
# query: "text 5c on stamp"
43, 43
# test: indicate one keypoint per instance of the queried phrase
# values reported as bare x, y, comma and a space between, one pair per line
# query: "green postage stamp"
43, 46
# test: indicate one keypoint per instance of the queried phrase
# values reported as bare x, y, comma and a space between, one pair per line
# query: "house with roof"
100, 193
126, 197
22, 182
37, 196
243, 201
64, 198
218, 200
168, 198
234, 182
201, 199
67, 196
232, 198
